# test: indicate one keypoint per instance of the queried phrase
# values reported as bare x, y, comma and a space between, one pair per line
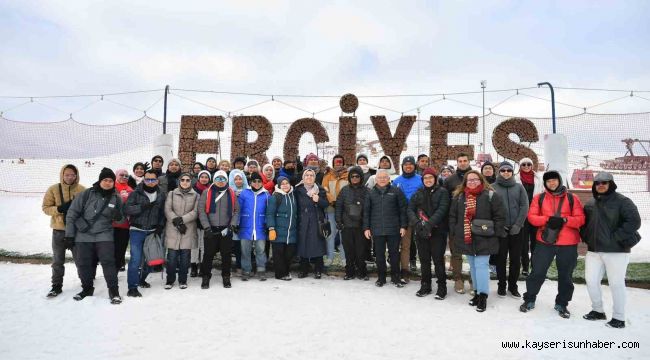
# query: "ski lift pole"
552, 100
165, 111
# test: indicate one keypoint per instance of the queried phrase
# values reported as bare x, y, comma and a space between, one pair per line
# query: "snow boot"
205, 283
482, 302
86, 291
615, 323
527, 306
441, 294
226, 282
133, 293
474, 300
425, 289
194, 268
143, 284
562, 311
595, 315
114, 295
56, 290
501, 290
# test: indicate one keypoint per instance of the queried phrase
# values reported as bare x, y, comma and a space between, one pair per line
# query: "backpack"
153, 249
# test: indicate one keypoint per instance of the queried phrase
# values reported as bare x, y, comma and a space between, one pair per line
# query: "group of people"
295, 208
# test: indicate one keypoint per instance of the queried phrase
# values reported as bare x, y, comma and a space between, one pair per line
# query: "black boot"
441, 294
114, 295
86, 291
595, 315
56, 290
482, 302
501, 290
194, 270
205, 283
474, 301
425, 289
226, 282
381, 280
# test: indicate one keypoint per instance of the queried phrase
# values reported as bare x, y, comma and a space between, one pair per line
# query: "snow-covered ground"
26, 229
303, 318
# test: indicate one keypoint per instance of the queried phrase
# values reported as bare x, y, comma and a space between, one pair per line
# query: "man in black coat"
610, 230
385, 222
349, 219
427, 212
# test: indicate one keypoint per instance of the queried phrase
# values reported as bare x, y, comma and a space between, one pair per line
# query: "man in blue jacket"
409, 182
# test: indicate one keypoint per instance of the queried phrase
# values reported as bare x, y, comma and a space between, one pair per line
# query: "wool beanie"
106, 173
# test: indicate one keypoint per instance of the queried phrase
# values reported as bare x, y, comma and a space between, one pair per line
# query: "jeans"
479, 268
615, 265
260, 255
529, 234
180, 259
138, 269
566, 258
393, 254
332, 238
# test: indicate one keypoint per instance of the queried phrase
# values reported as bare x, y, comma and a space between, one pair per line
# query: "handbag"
482, 227
550, 235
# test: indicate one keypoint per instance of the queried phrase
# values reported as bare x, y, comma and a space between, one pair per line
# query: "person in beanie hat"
157, 163
611, 229
562, 214
534, 184
56, 202
121, 229
362, 162
488, 171
427, 212
277, 163
445, 172
516, 203
289, 171
409, 182
252, 226
89, 228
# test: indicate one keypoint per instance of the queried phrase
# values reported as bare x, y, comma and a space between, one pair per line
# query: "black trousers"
566, 258
433, 249
355, 246
319, 265
213, 243
414, 247
121, 237
282, 257
87, 254
509, 245
392, 242
58, 257
528, 241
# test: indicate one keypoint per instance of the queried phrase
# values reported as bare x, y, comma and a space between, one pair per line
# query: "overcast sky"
319, 47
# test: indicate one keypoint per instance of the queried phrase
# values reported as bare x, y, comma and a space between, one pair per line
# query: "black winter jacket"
610, 220
349, 205
485, 209
143, 214
435, 205
384, 211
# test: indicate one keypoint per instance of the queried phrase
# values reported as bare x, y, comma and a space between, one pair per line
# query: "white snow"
303, 318
26, 229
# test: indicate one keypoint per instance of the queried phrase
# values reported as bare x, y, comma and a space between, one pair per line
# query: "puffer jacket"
282, 215
434, 203
384, 211
515, 200
486, 209
610, 220
141, 214
184, 205
408, 185
84, 208
569, 234
52, 198
349, 203
252, 210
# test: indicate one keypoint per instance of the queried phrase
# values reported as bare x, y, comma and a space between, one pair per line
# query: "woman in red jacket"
121, 229
558, 216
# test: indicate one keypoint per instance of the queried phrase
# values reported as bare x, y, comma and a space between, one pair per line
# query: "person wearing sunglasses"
121, 229
252, 227
146, 209
516, 202
610, 231
157, 164
180, 230
219, 215
476, 222
534, 184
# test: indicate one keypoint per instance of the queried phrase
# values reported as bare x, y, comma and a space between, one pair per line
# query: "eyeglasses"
157, 160
473, 180
150, 180
599, 183
526, 164
505, 170
185, 180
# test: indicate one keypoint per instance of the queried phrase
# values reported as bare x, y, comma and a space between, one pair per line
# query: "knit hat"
282, 178
362, 156
256, 176
276, 158
525, 160
176, 160
157, 157
106, 173
218, 174
408, 159
603, 176
252, 162
429, 171
310, 157
487, 163
552, 174
204, 172
120, 172
448, 167
505, 165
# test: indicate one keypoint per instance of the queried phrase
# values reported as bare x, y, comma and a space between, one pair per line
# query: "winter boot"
441, 294
501, 290
615, 323
474, 301
482, 302
381, 280
562, 311
56, 290
205, 283
169, 285
595, 315
514, 292
226, 282
425, 289
133, 293
194, 268
527, 306
405, 276
114, 295
459, 286
143, 284
86, 291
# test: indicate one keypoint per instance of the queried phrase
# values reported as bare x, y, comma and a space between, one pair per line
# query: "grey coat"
515, 198
219, 218
182, 205
83, 209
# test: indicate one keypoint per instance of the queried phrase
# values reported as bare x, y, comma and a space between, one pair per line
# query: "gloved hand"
182, 228
147, 166
555, 222
177, 221
69, 242
339, 226
515, 229
117, 215
159, 229
272, 235
63, 208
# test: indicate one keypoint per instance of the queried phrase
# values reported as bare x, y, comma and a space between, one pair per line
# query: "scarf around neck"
470, 211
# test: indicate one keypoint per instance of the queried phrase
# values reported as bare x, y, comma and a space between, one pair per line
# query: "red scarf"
470, 211
527, 178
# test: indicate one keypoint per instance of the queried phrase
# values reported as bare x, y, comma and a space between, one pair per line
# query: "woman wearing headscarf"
312, 202
268, 176
196, 255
